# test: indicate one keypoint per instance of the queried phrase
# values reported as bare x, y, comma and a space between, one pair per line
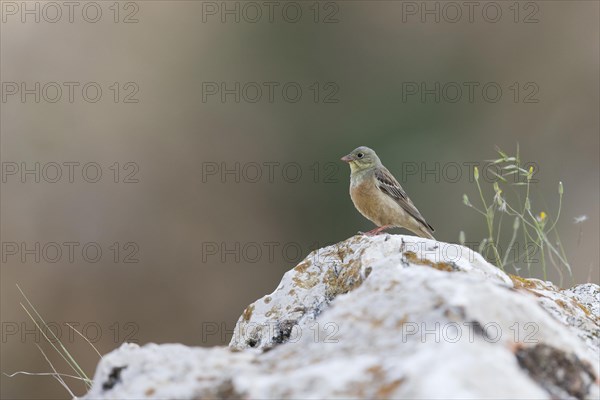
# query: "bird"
379, 197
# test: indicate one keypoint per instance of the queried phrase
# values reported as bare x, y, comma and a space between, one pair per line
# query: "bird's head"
361, 158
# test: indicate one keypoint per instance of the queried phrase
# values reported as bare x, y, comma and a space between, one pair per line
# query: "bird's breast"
361, 190
371, 202
365, 199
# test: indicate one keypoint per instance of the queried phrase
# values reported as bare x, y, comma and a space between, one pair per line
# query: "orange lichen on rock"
413, 258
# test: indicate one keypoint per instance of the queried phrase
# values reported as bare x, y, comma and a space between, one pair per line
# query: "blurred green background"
201, 239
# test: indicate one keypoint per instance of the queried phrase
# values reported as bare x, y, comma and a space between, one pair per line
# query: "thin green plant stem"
490, 223
86, 339
557, 268
499, 230
512, 241
543, 260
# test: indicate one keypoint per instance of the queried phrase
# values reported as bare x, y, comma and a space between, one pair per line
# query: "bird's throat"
353, 167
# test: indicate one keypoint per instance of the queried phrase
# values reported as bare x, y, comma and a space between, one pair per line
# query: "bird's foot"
376, 231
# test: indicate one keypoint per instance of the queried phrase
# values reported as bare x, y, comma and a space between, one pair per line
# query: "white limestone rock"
389, 316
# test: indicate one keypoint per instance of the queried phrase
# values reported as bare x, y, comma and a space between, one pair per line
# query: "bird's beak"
347, 158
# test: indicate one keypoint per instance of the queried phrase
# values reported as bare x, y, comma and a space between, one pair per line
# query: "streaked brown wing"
390, 186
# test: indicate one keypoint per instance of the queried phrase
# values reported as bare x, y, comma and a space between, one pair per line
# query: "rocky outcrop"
389, 316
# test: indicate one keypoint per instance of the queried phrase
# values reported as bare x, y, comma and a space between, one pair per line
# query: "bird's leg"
377, 231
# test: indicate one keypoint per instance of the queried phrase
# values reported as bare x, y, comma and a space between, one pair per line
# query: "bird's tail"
425, 231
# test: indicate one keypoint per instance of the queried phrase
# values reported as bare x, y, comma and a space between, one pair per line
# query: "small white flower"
580, 219
498, 199
502, 207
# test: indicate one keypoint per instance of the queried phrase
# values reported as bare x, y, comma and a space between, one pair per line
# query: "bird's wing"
390, 186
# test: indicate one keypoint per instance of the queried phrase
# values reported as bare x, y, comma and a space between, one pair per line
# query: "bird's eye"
360, 155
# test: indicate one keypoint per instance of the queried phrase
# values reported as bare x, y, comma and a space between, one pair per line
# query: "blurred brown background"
201, 240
